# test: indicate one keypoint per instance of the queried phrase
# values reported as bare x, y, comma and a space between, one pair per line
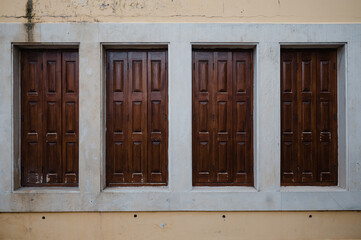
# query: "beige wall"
182, 225
181, 11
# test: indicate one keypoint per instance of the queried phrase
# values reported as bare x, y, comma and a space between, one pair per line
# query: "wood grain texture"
222, 125
309, 117
137, 125
49, 114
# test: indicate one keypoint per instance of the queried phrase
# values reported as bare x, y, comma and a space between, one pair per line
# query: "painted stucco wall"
182, 225
306, 11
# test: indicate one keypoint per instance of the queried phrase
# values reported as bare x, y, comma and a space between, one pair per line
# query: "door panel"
203, 124
136, 118
118, 164
289, 118
327, 117
222, 108
52, 125
157, 117
70, 116
222, 118
46, 119
243, 117
313, 154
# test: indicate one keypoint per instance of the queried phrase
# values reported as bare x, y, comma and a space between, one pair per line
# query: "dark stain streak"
29, 26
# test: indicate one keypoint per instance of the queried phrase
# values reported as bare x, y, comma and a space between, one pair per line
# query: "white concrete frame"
179, 195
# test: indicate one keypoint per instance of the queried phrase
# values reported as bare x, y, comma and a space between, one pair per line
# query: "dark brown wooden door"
137, 125
222, 118
49, 114
309, 117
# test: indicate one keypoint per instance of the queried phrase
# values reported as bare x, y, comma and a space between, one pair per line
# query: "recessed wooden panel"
70, 71
204, 156
325, 75
156, 75
118, 111
324, 116
203, 116
287, 115
51, 77
137, 76
287, 76
52, 117
33, 116
53, 162
309, 151
136, 118
34, 76
306, 76
118, 76
119, 157
241, 157
71, 163
222, 76
241, 76
241, 109
156, 116
70, 154
222, 118
156, 156
203, 76
137, 157
70, 117
306, 116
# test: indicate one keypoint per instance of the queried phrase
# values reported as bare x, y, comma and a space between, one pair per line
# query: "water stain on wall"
29, 25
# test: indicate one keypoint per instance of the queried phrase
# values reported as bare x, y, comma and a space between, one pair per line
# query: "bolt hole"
310, 216
43, 217
223, 216
135, 215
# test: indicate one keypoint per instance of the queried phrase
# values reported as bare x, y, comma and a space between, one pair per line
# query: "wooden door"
309, 117
137, 129
222, 118
46, 79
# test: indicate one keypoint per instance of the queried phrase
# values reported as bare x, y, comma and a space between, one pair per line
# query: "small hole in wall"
135, 215
43, 217
310, 216
223, 216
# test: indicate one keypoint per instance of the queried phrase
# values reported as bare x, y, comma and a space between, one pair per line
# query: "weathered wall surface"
180, 11
182, 225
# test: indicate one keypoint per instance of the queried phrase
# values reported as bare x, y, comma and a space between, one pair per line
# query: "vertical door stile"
222, 120
31, 112
157, 119
138, 115
289, 117
202, 117
70, 116
117, 83
51, 116
242, 118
